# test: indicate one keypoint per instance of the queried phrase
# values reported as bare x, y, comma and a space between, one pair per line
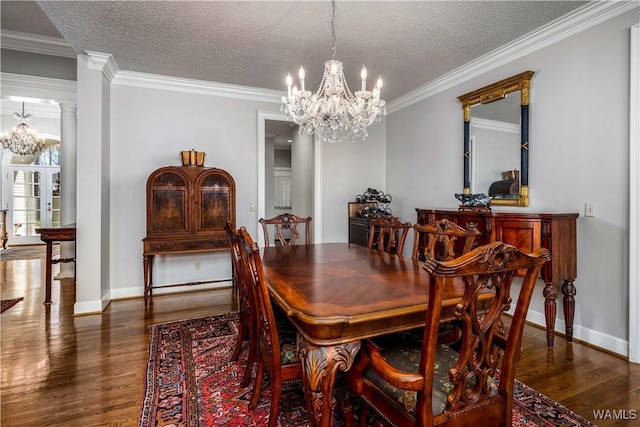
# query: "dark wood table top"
340, 292
65, 232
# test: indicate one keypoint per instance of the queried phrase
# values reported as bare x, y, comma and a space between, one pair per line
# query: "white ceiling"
256, 43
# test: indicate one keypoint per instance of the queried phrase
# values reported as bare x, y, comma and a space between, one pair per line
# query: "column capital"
68, 107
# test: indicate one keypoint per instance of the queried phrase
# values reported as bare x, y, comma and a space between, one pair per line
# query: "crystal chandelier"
333, 112
22, 140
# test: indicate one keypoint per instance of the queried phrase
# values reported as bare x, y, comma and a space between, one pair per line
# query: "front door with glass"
34, 201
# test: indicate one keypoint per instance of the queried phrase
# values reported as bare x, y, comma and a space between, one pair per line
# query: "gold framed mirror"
508, 185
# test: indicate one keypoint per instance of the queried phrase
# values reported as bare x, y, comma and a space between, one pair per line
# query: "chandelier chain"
333, 27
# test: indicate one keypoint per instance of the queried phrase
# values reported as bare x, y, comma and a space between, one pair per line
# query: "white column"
92, 209
68, 146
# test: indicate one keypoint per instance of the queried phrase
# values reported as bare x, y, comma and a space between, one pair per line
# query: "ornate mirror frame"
495, 92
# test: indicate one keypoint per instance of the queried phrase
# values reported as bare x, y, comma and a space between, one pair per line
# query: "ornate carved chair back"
388, 234
286, 229
441, 239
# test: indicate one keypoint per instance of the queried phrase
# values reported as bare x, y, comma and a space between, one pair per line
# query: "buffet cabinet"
359, 226
528, 231
187, 210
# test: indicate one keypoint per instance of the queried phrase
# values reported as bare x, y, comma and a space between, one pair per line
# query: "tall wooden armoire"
187, 209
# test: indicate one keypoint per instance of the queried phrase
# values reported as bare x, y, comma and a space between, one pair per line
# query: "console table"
64, 233
528, 231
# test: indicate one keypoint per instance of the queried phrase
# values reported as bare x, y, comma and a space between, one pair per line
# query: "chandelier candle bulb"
363, 75
289, 82
301, 77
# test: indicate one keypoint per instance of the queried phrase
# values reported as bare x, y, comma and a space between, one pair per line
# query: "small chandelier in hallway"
333, 112
22, 140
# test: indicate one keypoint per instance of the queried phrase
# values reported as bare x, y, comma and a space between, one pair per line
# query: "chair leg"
276, 394
364, 414
251, 358
256, 390
242, 330
347, 408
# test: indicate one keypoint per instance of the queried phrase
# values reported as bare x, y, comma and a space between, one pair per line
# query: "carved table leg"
47, 286
569, 306
550, 294
320, 365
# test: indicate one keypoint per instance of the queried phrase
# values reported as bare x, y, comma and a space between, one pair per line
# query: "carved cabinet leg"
320, 366
550, 294
147, 267
569, 306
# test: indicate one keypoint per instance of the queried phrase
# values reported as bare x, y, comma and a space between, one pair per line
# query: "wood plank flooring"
58, 369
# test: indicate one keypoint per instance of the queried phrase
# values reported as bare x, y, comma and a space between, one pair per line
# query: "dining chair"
424, 383
286, 229
246, 306
388, 234
440, 240
276, 353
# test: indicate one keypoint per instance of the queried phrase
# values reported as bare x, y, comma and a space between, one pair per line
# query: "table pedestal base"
320, 366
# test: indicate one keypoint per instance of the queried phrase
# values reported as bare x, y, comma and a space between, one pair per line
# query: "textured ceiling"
256, 43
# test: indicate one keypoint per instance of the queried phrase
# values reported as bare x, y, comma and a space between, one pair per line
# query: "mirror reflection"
495, 147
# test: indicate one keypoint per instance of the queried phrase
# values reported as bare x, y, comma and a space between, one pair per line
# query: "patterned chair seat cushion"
288, 338
405, 355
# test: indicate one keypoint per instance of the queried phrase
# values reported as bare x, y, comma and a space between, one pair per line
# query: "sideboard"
528, 231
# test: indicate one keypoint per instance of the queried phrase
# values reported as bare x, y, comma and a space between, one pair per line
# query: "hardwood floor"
58, 369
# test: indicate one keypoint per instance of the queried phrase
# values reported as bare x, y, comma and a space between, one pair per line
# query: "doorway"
305, 173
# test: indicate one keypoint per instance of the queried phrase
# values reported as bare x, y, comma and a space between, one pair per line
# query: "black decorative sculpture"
480, 199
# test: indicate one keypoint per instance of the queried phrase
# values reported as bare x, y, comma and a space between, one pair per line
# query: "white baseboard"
595, 338
88, 307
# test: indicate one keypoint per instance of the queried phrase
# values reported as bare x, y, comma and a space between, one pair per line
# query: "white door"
33, 201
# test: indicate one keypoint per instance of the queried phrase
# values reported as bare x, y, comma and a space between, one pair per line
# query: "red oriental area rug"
191, 382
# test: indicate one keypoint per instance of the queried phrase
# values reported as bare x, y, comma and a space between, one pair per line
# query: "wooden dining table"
337, 294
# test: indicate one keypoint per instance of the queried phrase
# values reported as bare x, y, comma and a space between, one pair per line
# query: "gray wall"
149, 128
579, 147
34, 64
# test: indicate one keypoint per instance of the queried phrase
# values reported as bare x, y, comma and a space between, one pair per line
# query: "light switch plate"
590, 209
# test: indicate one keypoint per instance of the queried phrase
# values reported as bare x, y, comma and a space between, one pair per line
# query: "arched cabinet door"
215, 201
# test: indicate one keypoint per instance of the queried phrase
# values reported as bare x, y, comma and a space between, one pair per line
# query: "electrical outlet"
197, 265
589, 209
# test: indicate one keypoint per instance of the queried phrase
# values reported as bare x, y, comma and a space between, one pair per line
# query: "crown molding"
103, 62
178, 84
585, 18
35, 43
58, 90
